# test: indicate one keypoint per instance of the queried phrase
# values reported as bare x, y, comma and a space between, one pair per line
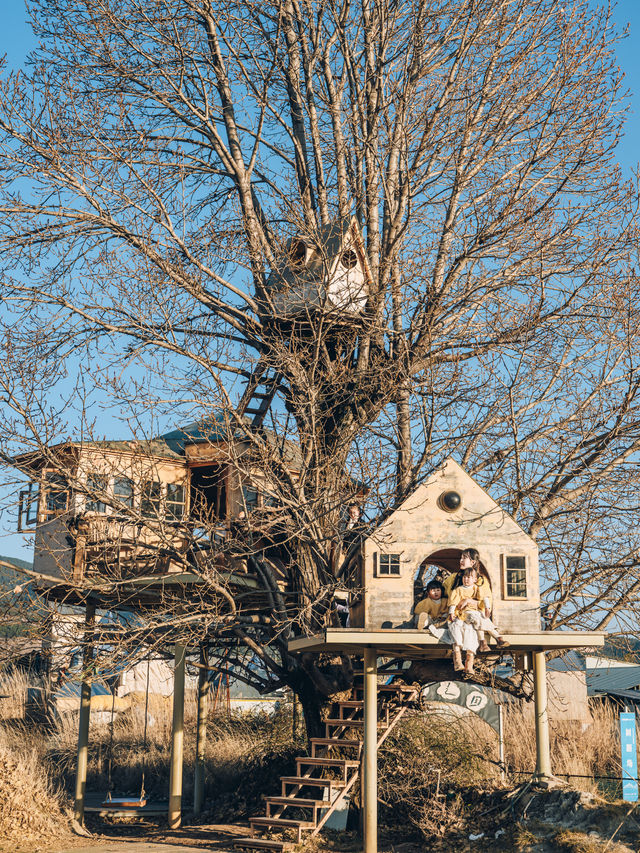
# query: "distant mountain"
626, 648
13, 609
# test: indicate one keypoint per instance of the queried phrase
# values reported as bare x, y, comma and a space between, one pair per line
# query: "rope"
144, 737
110, 762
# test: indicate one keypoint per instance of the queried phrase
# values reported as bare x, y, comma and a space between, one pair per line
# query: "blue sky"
16, 40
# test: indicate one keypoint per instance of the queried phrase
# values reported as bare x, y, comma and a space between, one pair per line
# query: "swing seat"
124, 803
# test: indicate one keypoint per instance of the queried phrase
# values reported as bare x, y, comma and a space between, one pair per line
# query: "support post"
83, 718
177, 739
370, 780
201, 738
501, 741
543, 752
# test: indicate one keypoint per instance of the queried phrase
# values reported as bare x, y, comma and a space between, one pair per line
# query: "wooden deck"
411, 643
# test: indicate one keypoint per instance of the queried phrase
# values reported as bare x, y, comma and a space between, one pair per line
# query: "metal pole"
177, 738
370, 781
83, 719
201, 738
543, 752
501, 741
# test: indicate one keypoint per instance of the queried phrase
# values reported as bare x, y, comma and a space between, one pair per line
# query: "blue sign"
629, 757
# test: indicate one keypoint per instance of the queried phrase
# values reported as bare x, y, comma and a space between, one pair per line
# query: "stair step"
327, 762
351, 703
332, 741
307, 780
351, 724
296, 801
261, 844
284, 822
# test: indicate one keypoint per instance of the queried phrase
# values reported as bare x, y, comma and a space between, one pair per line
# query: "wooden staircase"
324, 778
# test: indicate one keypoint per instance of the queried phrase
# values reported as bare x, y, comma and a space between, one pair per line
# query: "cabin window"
348, 259
28, 509
389, 564
515, 577
175, 501
57, 494
123, 492
208, 497
249, 498
298, 253
97, 485
151, 499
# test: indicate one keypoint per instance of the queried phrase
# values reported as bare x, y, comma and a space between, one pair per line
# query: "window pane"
175, 500
123, 491
389, 564
250, 497
515, 577
150, 500
97, 485
57, 493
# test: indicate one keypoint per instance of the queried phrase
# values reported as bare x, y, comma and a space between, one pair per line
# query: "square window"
515, 577
175, 501
97, 485
151, 499
389, 564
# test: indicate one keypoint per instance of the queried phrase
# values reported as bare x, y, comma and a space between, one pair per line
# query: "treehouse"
328, 273
426, 534
123, 510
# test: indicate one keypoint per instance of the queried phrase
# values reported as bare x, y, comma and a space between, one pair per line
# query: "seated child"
432, 610
465, 613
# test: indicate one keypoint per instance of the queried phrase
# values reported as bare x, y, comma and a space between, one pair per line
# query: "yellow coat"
435, 610
472, 594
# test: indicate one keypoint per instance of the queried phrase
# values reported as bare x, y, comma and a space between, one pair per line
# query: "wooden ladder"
327, 775
262, 387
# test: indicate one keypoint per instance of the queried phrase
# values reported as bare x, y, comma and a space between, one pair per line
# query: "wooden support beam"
370, 759
543, 751
83, 717
177, 739
201, 737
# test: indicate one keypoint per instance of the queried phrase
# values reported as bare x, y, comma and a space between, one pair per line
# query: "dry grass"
569, 841
14, 686
575, 754
30, 807
433, 771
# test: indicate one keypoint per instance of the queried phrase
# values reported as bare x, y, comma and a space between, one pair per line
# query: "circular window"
349, 259
297, 253
450, 501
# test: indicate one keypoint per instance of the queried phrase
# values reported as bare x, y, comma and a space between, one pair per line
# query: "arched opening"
447, 559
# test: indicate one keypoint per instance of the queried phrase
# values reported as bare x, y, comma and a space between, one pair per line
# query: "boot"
484, 646
468, 663
457, 659
500, 641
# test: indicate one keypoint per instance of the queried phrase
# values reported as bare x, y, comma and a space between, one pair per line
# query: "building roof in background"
609, 679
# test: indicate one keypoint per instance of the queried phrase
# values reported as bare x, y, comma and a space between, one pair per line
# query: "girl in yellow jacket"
470, 604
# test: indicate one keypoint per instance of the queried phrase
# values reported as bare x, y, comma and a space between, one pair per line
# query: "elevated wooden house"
428, 532
129, 509
326, 272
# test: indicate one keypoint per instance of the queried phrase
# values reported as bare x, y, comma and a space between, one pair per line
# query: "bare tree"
157, 157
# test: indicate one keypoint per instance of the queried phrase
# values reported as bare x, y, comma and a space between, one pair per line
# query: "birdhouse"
427, 533
326, 273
